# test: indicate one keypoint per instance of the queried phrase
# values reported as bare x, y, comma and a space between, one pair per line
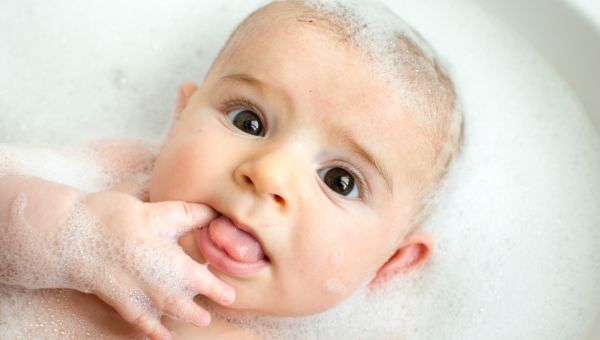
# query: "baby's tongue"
237, 243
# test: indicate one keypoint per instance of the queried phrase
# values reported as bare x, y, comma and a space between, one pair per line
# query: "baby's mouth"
230, 249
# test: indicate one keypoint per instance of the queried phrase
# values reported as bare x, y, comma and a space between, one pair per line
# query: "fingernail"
228, 296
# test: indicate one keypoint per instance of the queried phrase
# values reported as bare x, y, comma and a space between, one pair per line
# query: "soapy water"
516, 229
86, 256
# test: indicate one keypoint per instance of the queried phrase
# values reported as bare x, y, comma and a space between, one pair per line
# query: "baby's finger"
139, 317
209, 285
187, 310
152, 327
179, 216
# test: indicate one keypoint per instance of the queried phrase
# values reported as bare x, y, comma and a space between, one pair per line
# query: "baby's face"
310, 159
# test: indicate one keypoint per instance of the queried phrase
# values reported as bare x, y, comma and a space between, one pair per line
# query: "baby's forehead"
393, 50
315, 67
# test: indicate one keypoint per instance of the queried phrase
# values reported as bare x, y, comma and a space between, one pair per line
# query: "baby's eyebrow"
370, 158
244, 78
262, 86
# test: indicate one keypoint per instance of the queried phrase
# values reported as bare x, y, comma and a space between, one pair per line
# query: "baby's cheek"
336, 282
347, 272
177, 174
335, 286
322, 283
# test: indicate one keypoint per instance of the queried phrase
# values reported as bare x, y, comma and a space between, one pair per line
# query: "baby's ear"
411, 254
186, 90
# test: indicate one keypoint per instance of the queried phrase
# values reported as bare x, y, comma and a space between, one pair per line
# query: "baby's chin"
248, 308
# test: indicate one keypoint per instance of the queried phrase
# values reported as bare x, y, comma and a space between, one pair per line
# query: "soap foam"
48, 314
516, 231
372, 27
82, 254
67, 166
37, 317
398, 55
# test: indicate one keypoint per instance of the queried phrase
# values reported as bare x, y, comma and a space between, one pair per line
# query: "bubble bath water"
516, 230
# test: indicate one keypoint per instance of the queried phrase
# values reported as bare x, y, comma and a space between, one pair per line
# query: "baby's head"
319, 135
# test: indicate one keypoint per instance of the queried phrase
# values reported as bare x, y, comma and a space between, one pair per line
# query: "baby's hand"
110, 244
126, 252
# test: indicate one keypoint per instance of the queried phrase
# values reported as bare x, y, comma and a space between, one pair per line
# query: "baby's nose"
270, 176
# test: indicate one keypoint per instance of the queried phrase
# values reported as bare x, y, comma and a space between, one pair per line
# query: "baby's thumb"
178, 217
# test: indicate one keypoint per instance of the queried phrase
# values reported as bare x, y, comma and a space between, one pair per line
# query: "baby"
309, 153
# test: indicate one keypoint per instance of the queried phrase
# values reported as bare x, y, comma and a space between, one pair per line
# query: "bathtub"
61, 74
567, 33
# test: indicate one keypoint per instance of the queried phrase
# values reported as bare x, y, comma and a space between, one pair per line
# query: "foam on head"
400, 57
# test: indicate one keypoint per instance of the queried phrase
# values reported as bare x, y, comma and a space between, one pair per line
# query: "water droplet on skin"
334, 286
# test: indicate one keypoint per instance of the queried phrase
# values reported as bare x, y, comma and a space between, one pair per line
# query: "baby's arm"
125, 163
108, 243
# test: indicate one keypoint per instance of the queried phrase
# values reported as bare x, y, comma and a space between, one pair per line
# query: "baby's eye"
340, 181
247, 121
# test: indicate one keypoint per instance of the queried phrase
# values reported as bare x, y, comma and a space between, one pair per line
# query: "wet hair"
404, 60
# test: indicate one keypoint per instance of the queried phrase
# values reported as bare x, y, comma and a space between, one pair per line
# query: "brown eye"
247, 121
340, 181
